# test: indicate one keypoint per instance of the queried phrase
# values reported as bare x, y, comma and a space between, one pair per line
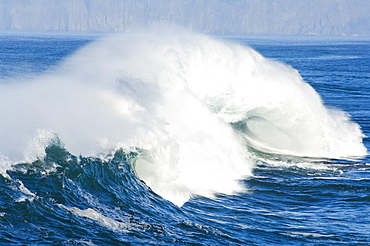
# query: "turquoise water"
257, 179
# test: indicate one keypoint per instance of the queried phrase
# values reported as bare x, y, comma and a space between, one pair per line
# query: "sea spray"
192, 104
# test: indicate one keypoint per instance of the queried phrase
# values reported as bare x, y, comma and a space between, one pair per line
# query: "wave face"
189, 105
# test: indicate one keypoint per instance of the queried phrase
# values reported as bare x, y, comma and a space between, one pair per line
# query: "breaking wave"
192, 107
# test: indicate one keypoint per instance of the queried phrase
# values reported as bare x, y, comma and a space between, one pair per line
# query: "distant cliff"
270, 17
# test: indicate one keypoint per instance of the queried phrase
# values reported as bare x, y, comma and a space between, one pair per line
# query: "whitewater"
194, 109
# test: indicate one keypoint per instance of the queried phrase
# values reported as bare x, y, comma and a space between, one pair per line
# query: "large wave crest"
188, 103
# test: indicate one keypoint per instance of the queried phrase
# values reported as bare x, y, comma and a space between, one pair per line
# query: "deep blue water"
66, 199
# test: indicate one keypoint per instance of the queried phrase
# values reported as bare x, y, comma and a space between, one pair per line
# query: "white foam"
173, 95
27, 195
96, 216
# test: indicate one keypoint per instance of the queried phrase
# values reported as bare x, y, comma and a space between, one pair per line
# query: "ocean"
178, 138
